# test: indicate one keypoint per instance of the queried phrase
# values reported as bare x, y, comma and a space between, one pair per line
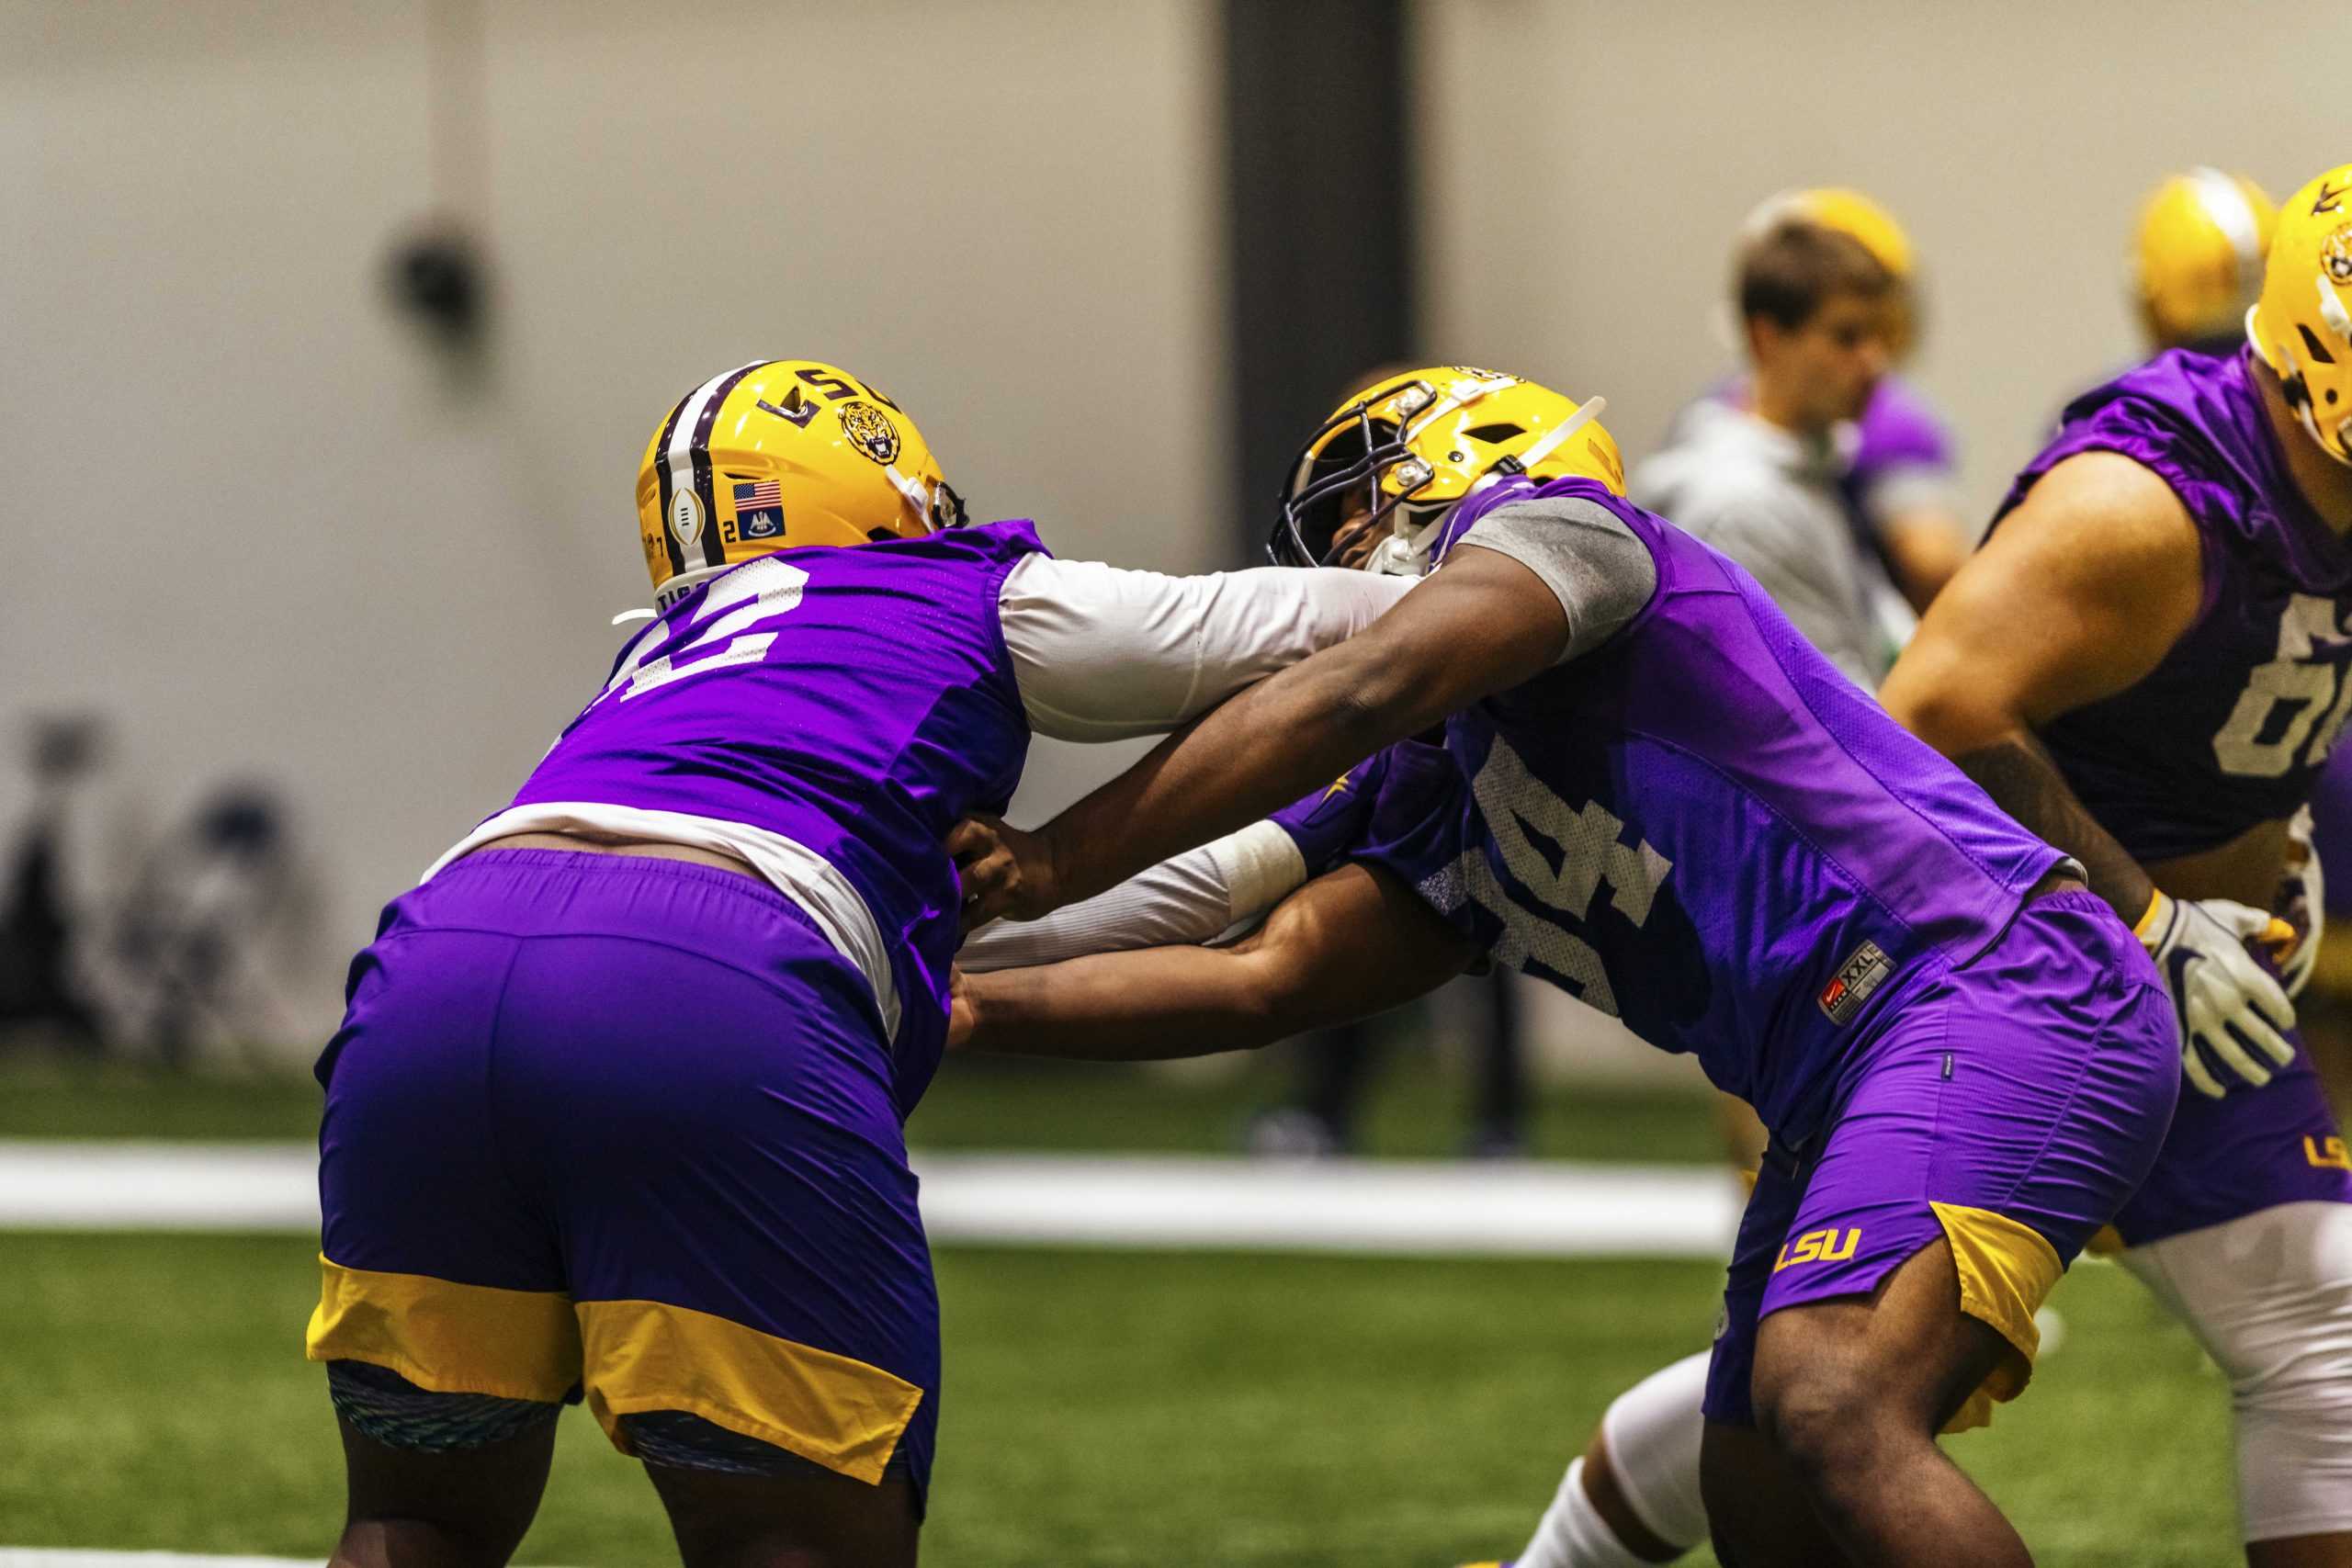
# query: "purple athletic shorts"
2252, 1149
2009, 1106
623, 1127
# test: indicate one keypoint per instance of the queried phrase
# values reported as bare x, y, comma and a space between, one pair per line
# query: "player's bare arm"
1482, 624
1347, 945
2077, 595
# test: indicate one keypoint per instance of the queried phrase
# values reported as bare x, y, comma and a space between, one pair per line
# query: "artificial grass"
1100, 1408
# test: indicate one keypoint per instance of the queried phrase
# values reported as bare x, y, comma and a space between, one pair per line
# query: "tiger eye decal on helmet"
2301, 325
1373, 482
777, 455
870, 431
2197, 255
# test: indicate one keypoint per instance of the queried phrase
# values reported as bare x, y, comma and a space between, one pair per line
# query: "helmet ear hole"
1495, 435
2313, 347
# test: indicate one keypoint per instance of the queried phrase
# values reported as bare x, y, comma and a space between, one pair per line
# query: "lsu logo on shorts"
1831, 1245
2329, 1154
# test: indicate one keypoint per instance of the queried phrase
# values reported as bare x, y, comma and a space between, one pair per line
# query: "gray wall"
1588, 163
253, 521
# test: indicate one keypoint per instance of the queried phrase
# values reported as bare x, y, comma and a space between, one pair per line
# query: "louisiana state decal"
870, 431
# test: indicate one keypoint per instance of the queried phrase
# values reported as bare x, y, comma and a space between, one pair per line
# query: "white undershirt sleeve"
1102, 653
1188, 899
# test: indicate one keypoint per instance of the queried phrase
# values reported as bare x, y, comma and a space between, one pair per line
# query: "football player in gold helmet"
2197, 255
2147, 663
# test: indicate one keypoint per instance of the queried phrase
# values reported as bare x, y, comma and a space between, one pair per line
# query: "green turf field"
1101, 1409
1416, 1109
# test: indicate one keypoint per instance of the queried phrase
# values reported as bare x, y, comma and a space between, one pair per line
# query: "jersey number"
757, 590
1511, 801
2299, 677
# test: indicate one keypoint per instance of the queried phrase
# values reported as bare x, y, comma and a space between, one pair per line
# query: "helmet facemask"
1350, 452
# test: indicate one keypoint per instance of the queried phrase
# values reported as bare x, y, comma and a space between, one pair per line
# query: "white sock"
1573, 1535
1654, 1430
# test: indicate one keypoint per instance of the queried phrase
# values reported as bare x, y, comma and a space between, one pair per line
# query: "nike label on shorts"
1863, 972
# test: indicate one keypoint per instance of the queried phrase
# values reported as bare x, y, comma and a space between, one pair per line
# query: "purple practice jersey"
1898, 441
1400, 810
1702, 828
868, 704
2231, 728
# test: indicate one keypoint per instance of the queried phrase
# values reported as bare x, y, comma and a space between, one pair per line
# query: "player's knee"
1819, 1416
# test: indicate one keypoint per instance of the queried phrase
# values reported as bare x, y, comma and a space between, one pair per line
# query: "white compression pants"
2269, 1295
1653, 1431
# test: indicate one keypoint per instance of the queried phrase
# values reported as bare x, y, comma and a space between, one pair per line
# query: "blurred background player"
1612, 687
707, 948
2197, 257
1762, 476
1896, 456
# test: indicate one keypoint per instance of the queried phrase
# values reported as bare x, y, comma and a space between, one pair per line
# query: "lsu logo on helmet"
2198, 253
775, 455
1395, 458
2302, 324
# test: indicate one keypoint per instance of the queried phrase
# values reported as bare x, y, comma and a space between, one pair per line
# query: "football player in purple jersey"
1632, 1495
2147, 663
615, 1109
1674, 808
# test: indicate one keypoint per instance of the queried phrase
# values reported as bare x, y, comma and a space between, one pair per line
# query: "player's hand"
962, 1016
2301, 902
1002, 872
2225, 1000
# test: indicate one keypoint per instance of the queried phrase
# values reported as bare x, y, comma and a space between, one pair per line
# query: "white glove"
2301, 902
2224, 999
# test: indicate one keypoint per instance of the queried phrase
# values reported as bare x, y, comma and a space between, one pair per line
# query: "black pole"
1323, 226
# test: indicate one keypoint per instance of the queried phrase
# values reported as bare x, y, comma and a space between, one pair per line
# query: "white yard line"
1511, 1209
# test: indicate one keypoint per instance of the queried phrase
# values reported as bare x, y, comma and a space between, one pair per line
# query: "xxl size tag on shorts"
1864, 970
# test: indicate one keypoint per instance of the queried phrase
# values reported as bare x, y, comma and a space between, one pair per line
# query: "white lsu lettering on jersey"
2308, 673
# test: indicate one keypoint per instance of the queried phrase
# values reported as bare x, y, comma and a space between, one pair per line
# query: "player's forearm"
1484, 624
1150, 1005
1254, 754
2024, 782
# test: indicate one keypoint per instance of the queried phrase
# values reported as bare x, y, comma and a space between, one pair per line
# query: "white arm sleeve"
1102, 653
1190, 899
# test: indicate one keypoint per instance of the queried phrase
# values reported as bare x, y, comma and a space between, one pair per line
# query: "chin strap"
1549, 441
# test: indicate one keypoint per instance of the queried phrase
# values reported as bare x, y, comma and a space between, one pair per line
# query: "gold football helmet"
2302, 324
1401, 452
779, 454
2197, 255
